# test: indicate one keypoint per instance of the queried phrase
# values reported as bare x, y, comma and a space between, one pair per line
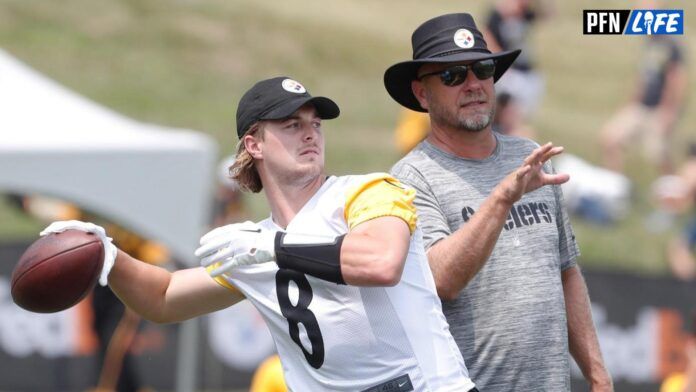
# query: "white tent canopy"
153, 180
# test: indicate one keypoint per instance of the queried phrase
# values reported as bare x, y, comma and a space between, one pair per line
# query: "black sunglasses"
456, 75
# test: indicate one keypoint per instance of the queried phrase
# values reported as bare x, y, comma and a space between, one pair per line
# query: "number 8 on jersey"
300, 313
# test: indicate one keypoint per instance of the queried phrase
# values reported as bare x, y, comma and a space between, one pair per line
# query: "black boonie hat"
443, 39
276, 99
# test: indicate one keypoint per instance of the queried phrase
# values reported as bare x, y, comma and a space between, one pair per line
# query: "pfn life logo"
633, 22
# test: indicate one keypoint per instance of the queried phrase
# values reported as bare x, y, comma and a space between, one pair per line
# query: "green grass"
186, 63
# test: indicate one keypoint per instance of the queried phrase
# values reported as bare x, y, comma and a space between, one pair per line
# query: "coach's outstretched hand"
531, 175
234, 245
110, 250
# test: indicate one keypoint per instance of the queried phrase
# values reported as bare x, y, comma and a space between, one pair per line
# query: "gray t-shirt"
509, 321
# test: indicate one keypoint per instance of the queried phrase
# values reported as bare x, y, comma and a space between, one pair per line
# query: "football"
57, 271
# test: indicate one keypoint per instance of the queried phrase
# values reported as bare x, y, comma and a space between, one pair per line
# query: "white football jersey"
333, 337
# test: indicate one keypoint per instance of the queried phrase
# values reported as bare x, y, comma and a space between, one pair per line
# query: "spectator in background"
654, 108
410, 130
507, 28
676, 194
684, 381
597, 195
269, 376
508, 118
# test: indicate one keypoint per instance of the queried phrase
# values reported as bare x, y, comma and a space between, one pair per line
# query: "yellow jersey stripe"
380, 195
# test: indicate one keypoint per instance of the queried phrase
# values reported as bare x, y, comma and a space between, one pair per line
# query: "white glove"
110, 250
235, 245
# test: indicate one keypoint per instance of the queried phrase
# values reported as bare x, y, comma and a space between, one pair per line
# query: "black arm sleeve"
322, 261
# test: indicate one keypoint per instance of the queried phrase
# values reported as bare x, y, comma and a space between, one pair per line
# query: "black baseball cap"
278, 98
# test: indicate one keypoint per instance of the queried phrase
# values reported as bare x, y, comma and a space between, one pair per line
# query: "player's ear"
252, 143
419, 92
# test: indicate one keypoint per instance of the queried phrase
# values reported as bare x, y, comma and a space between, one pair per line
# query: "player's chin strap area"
321, 260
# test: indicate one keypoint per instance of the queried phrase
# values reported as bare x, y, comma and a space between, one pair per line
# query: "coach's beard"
475, 122
472, 122
479, 120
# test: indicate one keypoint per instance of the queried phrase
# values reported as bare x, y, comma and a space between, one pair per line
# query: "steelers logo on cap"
464, 39
293, 86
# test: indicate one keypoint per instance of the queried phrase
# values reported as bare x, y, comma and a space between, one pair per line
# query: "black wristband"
322, 261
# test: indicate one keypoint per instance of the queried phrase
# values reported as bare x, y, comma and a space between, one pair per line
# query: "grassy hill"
185, 63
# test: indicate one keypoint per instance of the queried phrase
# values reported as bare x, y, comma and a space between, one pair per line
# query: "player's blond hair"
243, 170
